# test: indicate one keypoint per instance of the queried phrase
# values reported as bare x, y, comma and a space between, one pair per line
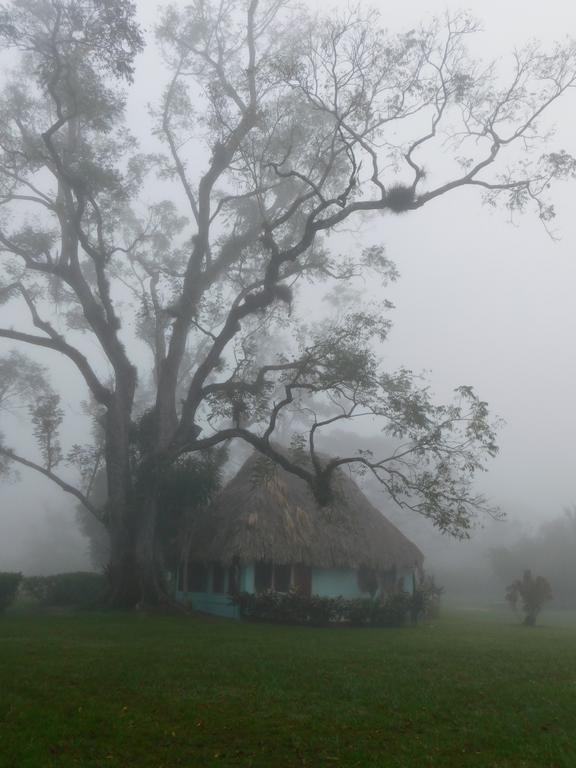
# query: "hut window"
197, 577
262, 576
282, 575
218, 578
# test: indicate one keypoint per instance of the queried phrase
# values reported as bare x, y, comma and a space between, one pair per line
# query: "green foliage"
21, 381
531, 592
426, 598
288, 608
392, 611
100, 34
47, 416
9, 583
79, 589
550, 550
295, 608
24, 383
185, 486
181, 485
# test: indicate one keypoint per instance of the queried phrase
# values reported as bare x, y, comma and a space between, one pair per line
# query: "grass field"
120, 691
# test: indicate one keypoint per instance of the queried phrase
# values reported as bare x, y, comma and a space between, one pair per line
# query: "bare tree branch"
9, 454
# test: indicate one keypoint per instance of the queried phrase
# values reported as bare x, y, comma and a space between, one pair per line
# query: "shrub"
295, 608
359, 613
532, 593
9, 583
37, 587
80, 589
393, 611
287, 608
426, 598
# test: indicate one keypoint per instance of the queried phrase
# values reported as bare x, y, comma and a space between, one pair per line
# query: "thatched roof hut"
267, 514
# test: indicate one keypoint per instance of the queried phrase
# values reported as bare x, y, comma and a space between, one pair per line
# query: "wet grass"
120, 691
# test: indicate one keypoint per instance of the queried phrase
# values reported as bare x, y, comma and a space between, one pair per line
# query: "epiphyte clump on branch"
258, 302
400, 198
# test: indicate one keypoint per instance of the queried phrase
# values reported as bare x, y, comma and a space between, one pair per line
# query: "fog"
480, 301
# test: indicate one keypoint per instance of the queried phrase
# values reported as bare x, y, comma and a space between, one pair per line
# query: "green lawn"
120, 691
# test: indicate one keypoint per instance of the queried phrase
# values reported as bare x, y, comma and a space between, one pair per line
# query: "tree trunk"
149, 557
136, 571
124, 592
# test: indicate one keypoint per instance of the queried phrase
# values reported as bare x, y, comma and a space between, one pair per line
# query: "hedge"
9, 583
79, 589
295, 608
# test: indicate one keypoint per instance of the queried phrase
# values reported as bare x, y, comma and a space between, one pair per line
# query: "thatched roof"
272, 515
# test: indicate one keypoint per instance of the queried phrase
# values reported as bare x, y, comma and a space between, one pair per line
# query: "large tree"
278, 126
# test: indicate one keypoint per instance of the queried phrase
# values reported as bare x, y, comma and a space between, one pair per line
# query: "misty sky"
480, 301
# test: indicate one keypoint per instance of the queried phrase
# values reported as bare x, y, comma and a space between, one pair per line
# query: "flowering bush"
295, 608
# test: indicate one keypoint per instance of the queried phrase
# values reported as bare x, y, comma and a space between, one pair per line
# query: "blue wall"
219, 603
408, 581
247, 578
342, 582
335, 582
